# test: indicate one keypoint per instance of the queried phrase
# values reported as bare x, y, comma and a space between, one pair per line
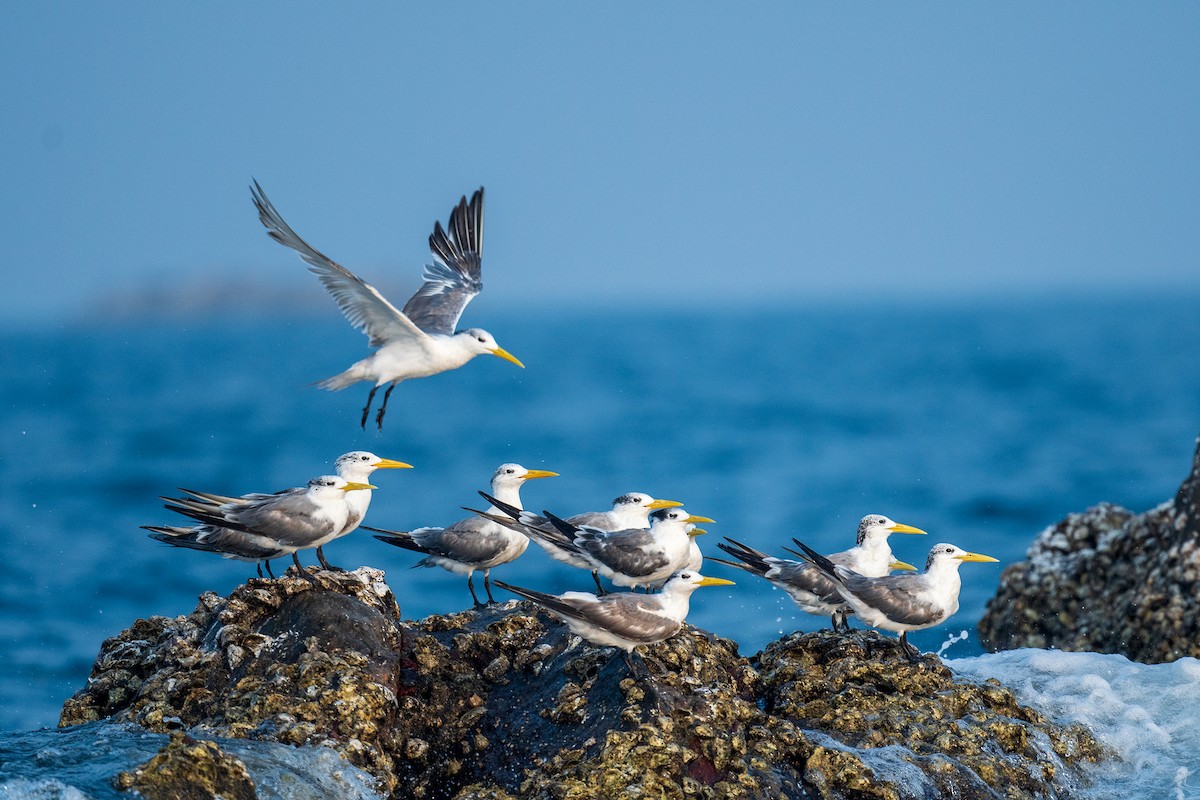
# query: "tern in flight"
419, 340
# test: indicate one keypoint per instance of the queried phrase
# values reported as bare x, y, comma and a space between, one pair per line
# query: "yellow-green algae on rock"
503, 703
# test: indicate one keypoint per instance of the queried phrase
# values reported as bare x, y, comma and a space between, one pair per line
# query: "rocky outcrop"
501, 703
190, 770
1108, 581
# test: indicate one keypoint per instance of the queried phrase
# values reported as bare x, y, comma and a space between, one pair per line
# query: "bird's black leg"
303, 572
267, 561
637, 666
471, 586
367, 407
487, 585
259, 566
600, 590
383, 408
912, 653
325, 564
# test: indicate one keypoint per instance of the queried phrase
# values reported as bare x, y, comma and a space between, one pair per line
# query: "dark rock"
1108, 581
186, 769
499, 704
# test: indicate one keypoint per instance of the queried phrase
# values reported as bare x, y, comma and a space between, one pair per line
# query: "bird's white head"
508, 476
327, 487
478, 342
876, 527
640, 500
676, 516
688, 581
357, 465
944, 556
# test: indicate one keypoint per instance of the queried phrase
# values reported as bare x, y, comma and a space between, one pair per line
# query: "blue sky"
632, 153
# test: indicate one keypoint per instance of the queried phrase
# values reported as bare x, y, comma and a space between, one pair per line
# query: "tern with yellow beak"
355, 467
630, 511
812, 590
635, 556
473, 543
260, 527
421, 339
903, 603
624, 619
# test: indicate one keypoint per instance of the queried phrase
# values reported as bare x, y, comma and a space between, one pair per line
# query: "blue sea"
980, 421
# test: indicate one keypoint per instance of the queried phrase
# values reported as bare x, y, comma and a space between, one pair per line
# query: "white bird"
260, 527
624, 619
903, 603
355, 466
473, 543
629, 511
810, 589
421, 339
634, 556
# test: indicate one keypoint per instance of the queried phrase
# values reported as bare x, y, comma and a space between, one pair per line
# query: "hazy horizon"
706, 153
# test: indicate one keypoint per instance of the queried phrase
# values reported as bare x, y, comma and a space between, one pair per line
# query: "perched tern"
624, 619
260, 527
421, 339
902, 603
355, 466
634, 556
473, 543
812, 590
629, 511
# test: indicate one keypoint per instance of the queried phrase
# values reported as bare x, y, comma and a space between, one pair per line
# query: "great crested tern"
624, 619
629, 511
355, 466
902, 603
421, 339
634, 556
473, 543
810, 589
260, 527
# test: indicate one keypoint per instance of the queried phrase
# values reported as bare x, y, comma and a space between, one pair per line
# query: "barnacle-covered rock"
504, 703
1108, 580
186, 769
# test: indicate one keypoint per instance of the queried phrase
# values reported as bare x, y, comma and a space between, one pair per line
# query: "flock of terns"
641, 543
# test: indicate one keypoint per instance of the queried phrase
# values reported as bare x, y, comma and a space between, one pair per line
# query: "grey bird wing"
631, 552
806, 577
624, 614
471, 541
896, 596
218, 540
454, 277
360, 302
638, 619
594, 519
290, 518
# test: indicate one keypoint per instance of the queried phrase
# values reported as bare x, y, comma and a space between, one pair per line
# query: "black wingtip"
564, 527
823, 563
507, 508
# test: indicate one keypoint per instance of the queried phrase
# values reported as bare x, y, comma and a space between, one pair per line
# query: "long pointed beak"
976, 557
901, 565
696, 531
715, 582
500, 352
539, 473
653, 504
354, 487
387, 463
901, 528
694, 519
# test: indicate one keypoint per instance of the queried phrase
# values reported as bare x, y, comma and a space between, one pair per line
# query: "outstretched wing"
454, 277
360, 302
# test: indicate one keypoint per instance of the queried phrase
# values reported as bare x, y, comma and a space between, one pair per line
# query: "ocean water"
980, 422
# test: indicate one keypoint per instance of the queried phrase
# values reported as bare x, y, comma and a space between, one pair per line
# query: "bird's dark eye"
479, 338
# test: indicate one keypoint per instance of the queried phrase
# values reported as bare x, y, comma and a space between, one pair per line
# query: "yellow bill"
539, 473
663, 504
975, 557
387, 463
902, 528
354, 487
500, 352
901, 565
694, 519
715, 582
